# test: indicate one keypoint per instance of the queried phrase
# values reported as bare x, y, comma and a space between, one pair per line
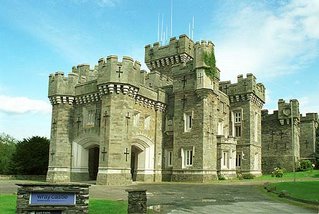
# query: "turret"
113, 70
59, 85
161, 58
288, 110
243, 86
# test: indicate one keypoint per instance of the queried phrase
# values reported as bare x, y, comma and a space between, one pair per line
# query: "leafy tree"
7, 149
31, 156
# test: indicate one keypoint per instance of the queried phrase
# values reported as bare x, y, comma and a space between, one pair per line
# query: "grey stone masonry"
280, 136
115, 123
137, 201
308, 126
24, 206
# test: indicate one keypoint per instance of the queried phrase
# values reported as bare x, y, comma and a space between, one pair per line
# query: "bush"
248, 176
278, 172
221, 176
31, 157
240, 176
305, 165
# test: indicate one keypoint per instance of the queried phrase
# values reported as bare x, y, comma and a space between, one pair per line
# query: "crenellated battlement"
59, 85
310, 117
161, 58
286, 110
246, 85
83, 81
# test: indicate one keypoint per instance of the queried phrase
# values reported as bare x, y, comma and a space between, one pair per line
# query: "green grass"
307, 190
8, 204
311, 174
96, 206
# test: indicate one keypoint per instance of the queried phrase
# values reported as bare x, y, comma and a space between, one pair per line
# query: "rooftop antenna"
158, 27
193, 28
171, 18
162, 29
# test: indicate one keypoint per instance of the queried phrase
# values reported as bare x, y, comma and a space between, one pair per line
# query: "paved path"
193, 198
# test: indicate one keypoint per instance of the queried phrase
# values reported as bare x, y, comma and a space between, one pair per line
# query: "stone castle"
116, 123
288, 137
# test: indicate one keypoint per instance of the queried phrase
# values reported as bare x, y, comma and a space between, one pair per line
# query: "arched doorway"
142, 159
85, 158
93, 163
135, 151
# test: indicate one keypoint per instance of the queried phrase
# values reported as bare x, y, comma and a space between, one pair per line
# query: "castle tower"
162, 58
308, 126
246, 100
107, 123
280, 137
61, 95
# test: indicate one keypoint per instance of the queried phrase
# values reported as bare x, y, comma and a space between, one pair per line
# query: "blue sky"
277, 40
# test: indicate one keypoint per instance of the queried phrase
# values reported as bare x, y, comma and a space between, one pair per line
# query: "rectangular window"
224, 159
238, 160
188, 123
237, 124
169, 158
237, 117
237, 131
188, 157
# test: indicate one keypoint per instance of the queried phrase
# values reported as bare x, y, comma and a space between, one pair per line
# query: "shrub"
221, 176
240, 176
278, 172
305, 165
248, 176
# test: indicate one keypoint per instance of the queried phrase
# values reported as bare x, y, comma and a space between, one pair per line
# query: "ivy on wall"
210, 61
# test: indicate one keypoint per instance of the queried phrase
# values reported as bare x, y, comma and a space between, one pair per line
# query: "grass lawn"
311, 174
96, 206
307, 190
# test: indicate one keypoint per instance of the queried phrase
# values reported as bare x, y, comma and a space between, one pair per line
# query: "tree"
31, 156
7, 149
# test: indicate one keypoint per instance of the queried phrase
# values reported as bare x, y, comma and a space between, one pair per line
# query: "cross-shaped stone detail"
52, 155
103, 153
126, 153
281, 134
184, 80
184, 101
119, 72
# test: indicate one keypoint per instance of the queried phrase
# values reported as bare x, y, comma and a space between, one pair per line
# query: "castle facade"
116, 123
288, 137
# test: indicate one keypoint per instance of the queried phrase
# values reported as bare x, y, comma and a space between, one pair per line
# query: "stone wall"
81, 192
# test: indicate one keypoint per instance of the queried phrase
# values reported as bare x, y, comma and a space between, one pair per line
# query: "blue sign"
52, 198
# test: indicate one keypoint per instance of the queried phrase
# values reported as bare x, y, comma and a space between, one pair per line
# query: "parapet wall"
310, 117
177, 51
244, 86
286, 110
83, 81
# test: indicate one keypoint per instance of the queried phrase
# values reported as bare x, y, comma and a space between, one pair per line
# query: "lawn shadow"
315, 175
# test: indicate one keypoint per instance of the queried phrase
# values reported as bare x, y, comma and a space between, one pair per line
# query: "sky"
276, 40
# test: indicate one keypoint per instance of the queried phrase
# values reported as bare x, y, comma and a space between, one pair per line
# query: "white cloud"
20, 105
309, 104
269, 41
